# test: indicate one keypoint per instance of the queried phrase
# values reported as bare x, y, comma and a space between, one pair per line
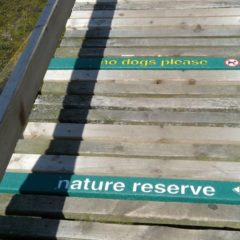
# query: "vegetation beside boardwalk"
17, 19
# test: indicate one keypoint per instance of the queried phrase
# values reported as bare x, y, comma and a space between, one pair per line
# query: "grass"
17, 19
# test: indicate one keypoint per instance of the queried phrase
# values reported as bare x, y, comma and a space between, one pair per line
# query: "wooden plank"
156, 117
128, 133
115, 211
155, 32
140, 103
123, 166
214, 12
147, 52
144, 150
150, 76
17, 97
131, 188
172, 89
152, 22
152, 42
157, 5
48, 228
136, 63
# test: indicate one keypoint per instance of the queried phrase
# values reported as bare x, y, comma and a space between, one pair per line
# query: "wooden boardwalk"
123, 124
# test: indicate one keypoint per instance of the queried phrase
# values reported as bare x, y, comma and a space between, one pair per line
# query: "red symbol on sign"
231, 62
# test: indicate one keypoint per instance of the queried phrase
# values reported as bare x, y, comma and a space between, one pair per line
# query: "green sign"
134, 63
124, 188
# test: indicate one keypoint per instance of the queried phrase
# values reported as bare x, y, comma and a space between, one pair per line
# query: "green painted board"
123, 188
134, 63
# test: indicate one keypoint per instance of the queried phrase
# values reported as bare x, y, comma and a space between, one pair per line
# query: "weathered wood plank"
128, 167
144, 5
151, 42
156, 117
173, 89
214, 12
140, 103
48, 228
199, 215
128, 133
148, 52
153, 22
17, 97
150, 76
155, 32
152, 150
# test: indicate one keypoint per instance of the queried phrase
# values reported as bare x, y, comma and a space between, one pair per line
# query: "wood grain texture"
144, 5
150, 76
148, 52
218, 152
128, 167
214, 12
140, 103
153, 22
131, 133
151, 42
49, 228
122, 211
156, 32
149, 117
172, 89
